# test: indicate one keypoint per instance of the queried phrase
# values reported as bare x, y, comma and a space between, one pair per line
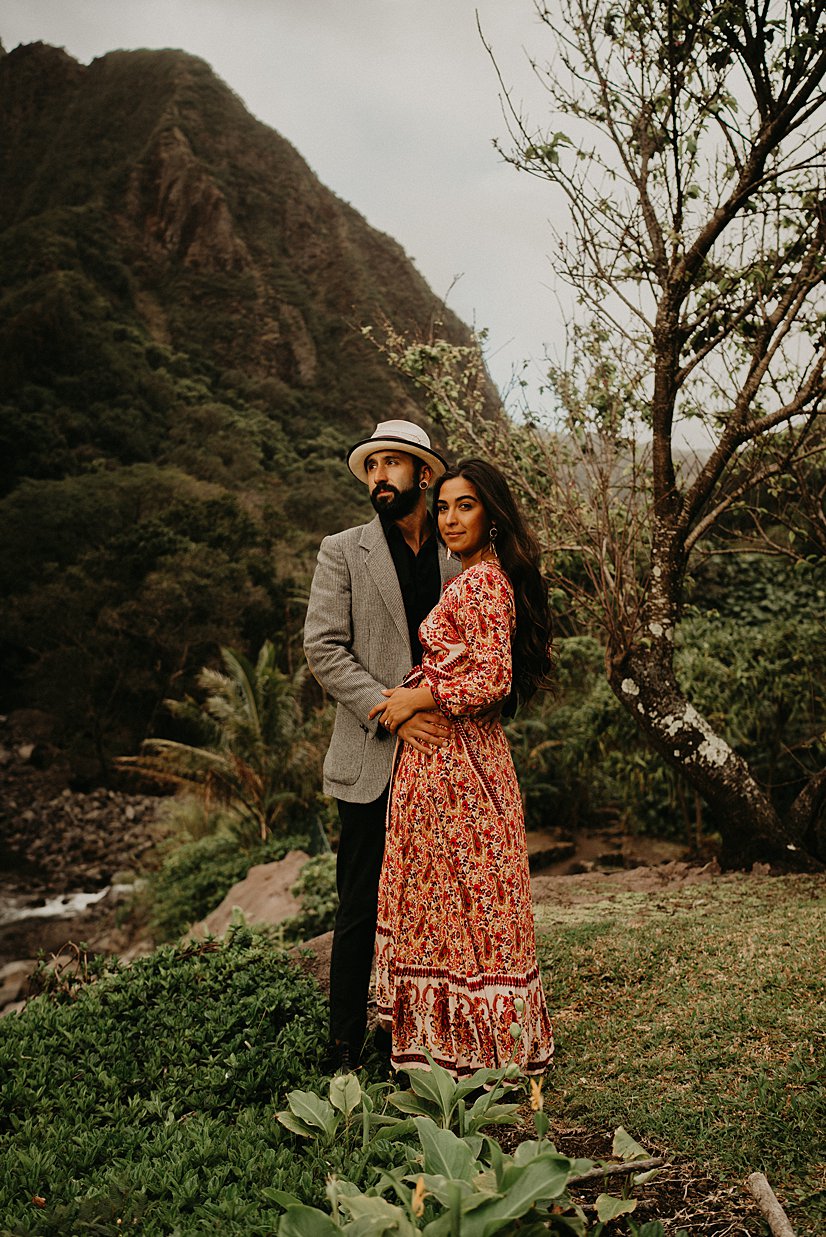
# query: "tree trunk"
642, 678
643, 681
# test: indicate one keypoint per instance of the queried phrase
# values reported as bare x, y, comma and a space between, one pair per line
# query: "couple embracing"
425, 629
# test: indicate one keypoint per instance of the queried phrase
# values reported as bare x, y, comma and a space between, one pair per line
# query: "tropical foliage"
258, 757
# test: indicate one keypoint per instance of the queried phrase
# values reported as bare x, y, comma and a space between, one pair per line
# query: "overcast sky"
394, 104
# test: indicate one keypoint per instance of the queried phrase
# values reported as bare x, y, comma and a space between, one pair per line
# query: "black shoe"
338, 1059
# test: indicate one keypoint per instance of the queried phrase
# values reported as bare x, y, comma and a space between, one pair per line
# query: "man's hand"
425, 731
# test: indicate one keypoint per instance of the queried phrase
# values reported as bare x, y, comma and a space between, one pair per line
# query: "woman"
455, 949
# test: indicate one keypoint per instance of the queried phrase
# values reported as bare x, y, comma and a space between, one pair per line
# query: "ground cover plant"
142, 1099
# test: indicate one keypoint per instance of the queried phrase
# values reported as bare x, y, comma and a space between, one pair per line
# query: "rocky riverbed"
68, 858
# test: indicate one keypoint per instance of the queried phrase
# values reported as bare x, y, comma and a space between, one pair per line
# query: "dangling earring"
494, 533
448, 553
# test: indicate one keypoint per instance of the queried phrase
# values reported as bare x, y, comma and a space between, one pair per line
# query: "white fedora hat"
395, 436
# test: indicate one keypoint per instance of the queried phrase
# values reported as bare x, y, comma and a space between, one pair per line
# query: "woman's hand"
402, 703
425, 731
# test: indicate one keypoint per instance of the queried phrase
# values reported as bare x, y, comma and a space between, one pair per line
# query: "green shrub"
316, 890
149, 1094
197, 876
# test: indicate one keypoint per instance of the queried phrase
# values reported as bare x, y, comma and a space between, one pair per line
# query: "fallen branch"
614, 1170
766, 1200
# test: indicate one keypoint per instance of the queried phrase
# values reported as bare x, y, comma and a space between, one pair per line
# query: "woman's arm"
474, 674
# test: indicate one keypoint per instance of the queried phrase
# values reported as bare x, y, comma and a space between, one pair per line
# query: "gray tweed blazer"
357, 643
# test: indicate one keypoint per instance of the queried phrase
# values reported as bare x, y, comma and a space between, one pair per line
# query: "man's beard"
402, 503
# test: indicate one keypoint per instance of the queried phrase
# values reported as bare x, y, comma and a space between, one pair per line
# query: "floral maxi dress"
455, 945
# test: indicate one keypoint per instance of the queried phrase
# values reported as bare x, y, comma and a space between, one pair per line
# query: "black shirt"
419, 579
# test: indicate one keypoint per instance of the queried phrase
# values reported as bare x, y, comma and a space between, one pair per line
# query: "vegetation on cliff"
180, 372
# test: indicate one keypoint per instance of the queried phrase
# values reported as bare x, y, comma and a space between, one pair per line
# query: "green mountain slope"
180, 371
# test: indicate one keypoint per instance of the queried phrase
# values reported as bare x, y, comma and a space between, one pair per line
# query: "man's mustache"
385, 489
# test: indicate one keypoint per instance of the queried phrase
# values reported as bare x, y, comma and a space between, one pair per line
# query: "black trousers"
358, 867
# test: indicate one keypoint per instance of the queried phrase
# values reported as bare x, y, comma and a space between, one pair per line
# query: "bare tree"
689, 143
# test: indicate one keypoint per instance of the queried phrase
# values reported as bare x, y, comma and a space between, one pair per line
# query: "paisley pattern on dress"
455, 946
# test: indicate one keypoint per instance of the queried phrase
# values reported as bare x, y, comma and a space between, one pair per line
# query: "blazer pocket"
345, 756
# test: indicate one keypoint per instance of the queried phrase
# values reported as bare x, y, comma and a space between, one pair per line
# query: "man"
372, 587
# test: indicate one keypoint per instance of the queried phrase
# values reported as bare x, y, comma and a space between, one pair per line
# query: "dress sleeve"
473, 673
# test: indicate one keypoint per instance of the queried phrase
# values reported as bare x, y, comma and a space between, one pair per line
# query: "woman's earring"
494, 533
448, 553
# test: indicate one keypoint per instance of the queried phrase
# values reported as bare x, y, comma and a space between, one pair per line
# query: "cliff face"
218, 240
180, 372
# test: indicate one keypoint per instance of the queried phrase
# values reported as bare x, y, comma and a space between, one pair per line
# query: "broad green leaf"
306, 1222
359, 1204
644, 1178
291, 1121
434, 1084
608, 1207
475, 1142
486, 1181
405, 1102
495, 1157
313, 1110
375, 1216
528, 1150
542, 1178
338, 1187
557, 1166
281, 1197
345, 1092
444, 1153
484, 1113
482, 1078
626, 1147
441, 1187
380, 1226
394, 1129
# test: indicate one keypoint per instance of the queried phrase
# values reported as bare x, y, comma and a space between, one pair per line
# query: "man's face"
393, 481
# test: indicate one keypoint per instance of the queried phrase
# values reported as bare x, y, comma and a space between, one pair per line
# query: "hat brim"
357, 456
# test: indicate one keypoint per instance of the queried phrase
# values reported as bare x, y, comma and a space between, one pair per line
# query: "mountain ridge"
181, 370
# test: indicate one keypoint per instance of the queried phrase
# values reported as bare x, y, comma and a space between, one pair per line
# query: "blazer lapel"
379, 562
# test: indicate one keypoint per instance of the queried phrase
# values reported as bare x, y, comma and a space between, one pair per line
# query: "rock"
544, 848
314, 957
262, 897
14, 981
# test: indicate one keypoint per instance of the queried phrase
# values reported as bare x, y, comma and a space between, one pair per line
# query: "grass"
696, 1018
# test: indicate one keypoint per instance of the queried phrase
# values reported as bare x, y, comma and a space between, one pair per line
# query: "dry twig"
766, 1200
614, 1170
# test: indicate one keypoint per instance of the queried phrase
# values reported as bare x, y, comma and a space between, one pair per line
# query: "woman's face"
463, 522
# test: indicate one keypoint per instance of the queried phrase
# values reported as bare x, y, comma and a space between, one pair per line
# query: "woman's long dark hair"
519, 555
